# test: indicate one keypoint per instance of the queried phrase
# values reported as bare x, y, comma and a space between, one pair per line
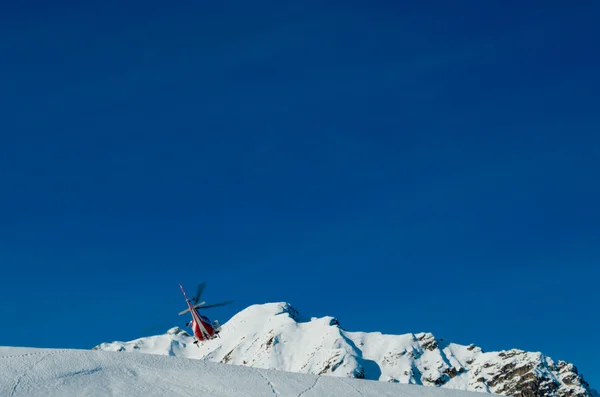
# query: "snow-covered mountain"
76, 373
277, 336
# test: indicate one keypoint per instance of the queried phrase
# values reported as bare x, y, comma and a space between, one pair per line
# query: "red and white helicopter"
204, 329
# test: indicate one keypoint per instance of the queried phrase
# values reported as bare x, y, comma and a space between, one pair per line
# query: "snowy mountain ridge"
277, 336
30, 372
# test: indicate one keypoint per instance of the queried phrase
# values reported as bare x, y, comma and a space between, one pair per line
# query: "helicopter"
203, 328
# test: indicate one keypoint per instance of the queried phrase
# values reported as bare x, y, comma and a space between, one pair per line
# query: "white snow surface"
277, 336
65, 373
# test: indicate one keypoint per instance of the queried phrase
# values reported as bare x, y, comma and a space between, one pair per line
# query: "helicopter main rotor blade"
199, 291
188, 309
216, 305
184, 311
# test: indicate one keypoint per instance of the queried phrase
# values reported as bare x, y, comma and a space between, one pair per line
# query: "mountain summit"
277, 336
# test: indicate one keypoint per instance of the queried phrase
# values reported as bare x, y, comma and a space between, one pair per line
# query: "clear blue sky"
406, 168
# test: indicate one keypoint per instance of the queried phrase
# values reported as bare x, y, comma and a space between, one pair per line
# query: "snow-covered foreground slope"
77, 373
277, 336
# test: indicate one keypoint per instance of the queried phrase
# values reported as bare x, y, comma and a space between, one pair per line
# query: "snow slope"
277, 336
65, 373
